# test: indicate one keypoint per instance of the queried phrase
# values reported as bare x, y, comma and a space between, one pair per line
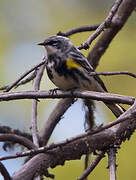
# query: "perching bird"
68, 69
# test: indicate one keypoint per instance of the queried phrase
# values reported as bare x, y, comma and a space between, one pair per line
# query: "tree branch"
75, 149
102, 26
76, 94
112, 163
35, 134
27, 80
4, 172
118, 21
8, 88
92, 166
17, 139
78, 30
113, 73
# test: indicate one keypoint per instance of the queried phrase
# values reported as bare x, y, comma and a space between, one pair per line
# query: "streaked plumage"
68, 68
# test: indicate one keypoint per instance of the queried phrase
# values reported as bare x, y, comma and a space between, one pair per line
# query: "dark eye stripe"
52, 43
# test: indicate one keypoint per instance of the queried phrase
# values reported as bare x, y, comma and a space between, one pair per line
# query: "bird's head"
54, 44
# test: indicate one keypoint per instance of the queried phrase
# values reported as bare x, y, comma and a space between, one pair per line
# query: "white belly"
69, 83
63, 83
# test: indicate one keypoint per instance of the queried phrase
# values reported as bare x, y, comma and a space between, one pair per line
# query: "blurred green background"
25, 23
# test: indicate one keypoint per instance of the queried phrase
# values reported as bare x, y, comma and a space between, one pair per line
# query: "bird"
69, 69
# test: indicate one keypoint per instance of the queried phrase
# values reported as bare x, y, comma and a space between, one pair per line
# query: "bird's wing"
80, 59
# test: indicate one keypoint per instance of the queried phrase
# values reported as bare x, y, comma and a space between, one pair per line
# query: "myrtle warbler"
68, 69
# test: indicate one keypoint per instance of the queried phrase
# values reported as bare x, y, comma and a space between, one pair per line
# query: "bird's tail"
115, 108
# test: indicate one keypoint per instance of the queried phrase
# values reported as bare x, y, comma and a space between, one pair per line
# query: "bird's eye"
52, 43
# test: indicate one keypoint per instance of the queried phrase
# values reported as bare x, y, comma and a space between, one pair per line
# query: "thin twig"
17, 139
86, 161
35, 134
4, 172
78, 30
106, 23
113, 73
27, 80
92, 166
8, 88
112, 163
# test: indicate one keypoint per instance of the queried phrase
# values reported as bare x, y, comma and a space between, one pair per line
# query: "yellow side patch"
72, 64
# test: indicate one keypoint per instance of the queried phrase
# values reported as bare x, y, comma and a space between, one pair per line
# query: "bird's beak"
41, 44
